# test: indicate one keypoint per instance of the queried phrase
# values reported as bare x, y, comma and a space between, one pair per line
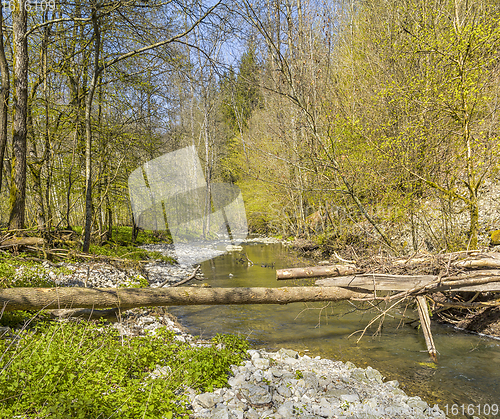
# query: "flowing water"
468, 371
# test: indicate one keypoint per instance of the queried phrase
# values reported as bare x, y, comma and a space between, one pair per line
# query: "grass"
87, 370
121, 245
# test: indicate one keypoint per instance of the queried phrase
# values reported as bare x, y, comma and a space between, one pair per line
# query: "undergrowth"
20, 272
87, 370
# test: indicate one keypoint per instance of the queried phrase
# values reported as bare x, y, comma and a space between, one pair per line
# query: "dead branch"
193, 275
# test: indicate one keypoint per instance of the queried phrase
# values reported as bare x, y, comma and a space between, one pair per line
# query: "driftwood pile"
436, 278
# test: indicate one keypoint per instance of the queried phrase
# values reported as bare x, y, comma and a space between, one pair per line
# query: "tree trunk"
88, 131
35, 164
4, 97
474, 222
315, 271
127, 298
18, 186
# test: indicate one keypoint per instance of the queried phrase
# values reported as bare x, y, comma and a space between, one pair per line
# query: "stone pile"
286, 385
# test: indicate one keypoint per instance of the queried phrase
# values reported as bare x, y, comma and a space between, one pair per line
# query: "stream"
467, 372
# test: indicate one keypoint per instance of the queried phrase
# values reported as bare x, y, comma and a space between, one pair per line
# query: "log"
315, 271
379, 282
425, 322
478, 281
22, 241
480, 261
127, 298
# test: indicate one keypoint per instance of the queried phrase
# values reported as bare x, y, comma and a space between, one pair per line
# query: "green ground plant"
88, 370
20, 271
122, 246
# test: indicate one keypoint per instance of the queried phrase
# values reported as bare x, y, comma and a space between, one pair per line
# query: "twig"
467, 305
184, 280
343, 260
375, 319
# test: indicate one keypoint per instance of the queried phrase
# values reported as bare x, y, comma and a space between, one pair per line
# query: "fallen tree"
127, 298
315, 271
446, 280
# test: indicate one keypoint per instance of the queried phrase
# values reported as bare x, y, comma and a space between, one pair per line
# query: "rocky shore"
284, 384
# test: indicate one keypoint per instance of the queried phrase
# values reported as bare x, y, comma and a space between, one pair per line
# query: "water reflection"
467, 371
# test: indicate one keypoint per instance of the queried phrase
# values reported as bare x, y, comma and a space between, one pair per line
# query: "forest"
362, 123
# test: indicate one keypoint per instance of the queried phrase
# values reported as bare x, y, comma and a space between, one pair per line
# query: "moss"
495, 238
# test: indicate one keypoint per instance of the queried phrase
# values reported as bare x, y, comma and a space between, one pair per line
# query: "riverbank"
285, 384
278, 384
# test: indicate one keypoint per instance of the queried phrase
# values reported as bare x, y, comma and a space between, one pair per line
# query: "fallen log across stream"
127, 298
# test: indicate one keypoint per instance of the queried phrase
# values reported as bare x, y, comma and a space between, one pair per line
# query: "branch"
495, 303
159, 44
193, 275
63, 19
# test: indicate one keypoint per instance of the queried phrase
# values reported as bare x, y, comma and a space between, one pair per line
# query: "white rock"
220, 412
261, 363
349, 398
286, 410
252, 414
208, 400
237, 380
237, 413
254, 354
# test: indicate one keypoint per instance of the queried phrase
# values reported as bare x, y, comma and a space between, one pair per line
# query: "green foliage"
16, 272
121, 245
242, 94
18, 318
123, 235
260, 204
210, 370
138, 282
86, 370
7, 269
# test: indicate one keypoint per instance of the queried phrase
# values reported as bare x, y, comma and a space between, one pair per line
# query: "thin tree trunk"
35, 164
18, 185
88, 131
47, 150
109, 214
4, 97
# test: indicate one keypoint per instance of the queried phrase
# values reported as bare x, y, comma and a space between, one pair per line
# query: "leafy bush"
86, 370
